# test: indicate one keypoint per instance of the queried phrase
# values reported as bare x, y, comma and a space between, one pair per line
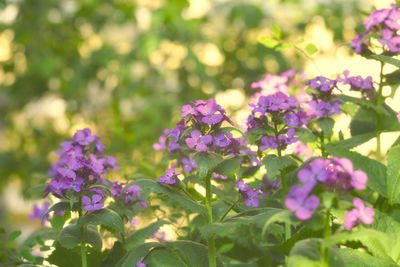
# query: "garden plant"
282, 190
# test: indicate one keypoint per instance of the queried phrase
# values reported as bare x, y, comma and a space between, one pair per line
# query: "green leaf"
62, 206
37, 236
257, 216
267, 41
386, 59
70, 237
114, 256
13, 235
226, 247
306, 253
104, 217
356, 258
142, 234
63, 257
393, 175
169, 254
326, 125
311, 48
364, 121
227, 166
375, 170
57, 222
378, 243
276, 32
148, 186
35, 191
356, 140
364, 103
283, 46
274, 164
205, 161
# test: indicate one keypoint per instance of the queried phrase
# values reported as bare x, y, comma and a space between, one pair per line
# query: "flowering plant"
285, 190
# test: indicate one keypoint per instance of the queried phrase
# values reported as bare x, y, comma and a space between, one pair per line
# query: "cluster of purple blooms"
204, 117
81, 166
251, 195
277, 105
336, 174
385, 24
359, 213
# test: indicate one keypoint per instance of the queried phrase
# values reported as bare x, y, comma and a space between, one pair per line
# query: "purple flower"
159, 235
209, 111
37, 212
242, 186
315, 172
197, 141
134, 222
188, 109
92, 203
66, 172
84, 137
170, 177
358, 178
298, 201
322, 84
219, 176
77, 184
140, 263
268, 143
222, 139
188, 164
356, 82
292, 120
362, 213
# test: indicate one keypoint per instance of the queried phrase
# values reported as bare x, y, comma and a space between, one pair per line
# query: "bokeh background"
125, 67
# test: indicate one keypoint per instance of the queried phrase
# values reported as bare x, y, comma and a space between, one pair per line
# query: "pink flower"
361, 212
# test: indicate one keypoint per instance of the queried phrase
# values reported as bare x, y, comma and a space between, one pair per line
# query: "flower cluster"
360, 212
81, 167
170, 177
251, 195
383, 23
336, 174
283, 110
82, 163
323, 102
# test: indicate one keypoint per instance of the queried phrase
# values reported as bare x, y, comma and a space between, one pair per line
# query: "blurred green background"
124, 68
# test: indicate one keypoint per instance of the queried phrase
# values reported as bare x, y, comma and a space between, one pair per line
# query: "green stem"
228, 210
327, 233
211, 240
83, 242
379, 116
83, 247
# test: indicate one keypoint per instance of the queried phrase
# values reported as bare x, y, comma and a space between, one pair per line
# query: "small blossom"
302, 204
92, 203
170, 177
140, 263
360, 212
37, 212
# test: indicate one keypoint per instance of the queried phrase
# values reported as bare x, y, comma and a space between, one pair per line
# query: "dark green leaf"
326, 125
256, 217
63, 257
13, 235
205, 161
115, 255
274, 164
393, 175
104, 217
227, 166
306, 253
148, 186
386, 59
356, 140
357, 258
70, 237
142, 234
